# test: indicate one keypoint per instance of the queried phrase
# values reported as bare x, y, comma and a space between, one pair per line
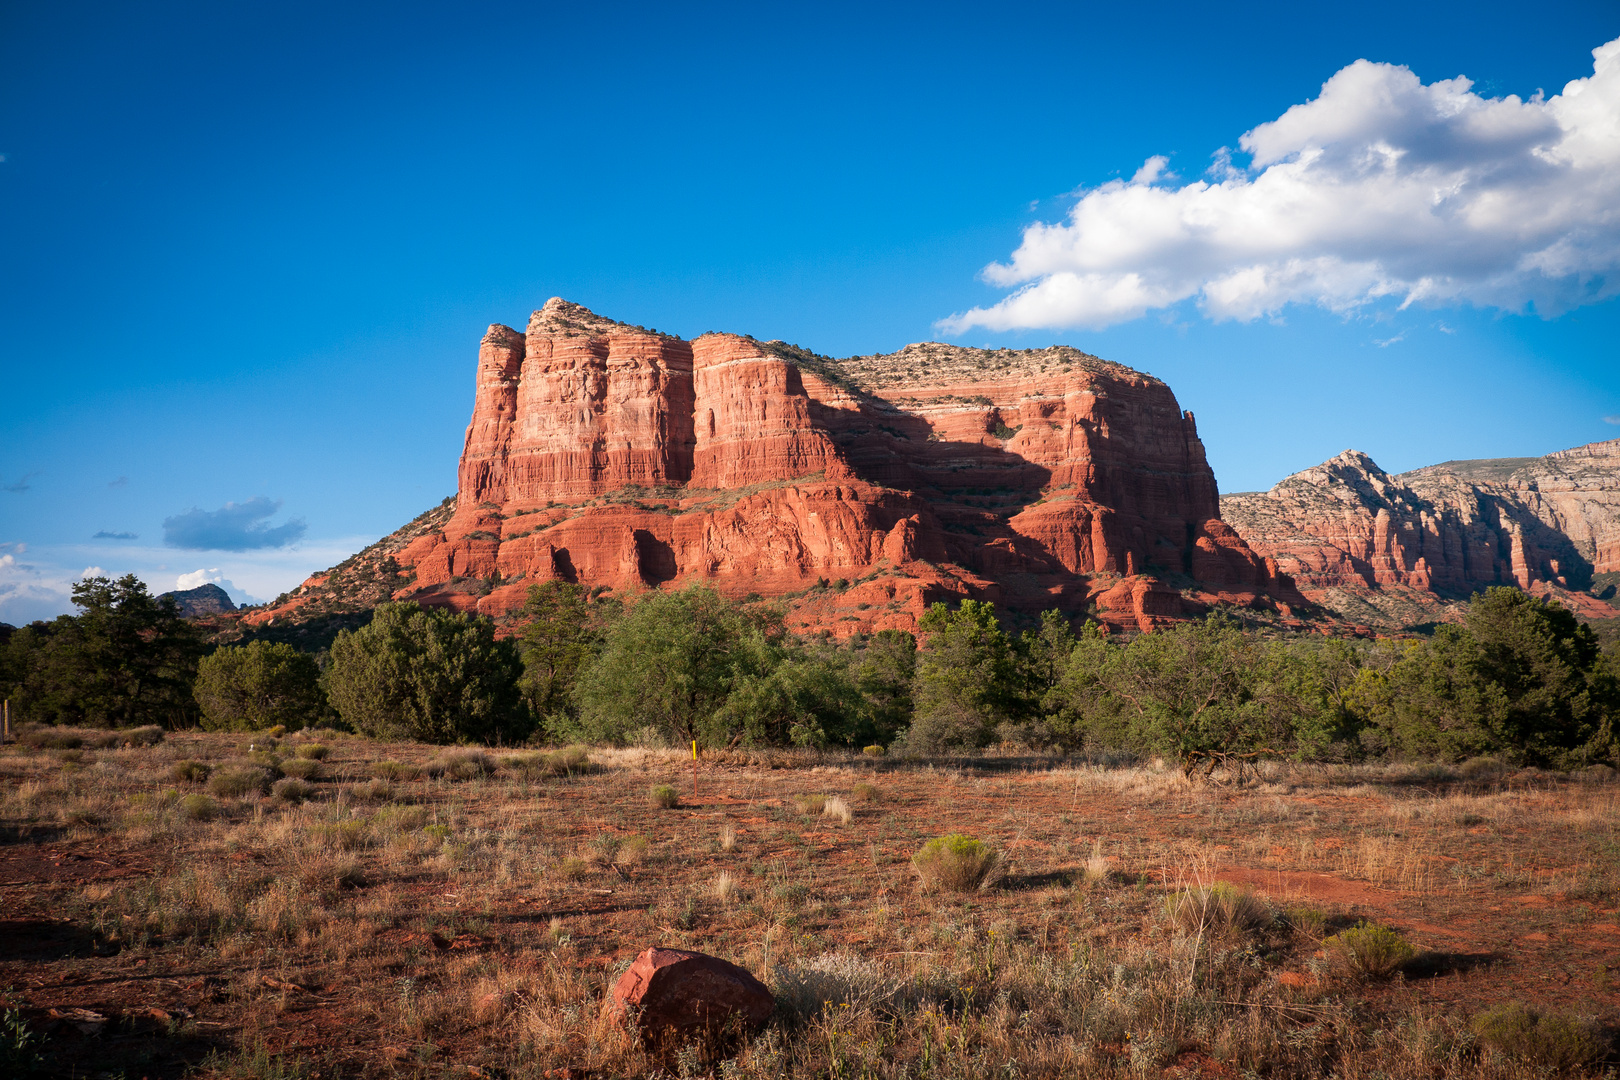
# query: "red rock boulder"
673, 996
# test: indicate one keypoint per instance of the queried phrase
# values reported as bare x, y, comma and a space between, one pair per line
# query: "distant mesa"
202, 601
857, 491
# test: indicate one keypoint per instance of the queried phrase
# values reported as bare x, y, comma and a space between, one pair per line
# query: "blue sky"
247, 250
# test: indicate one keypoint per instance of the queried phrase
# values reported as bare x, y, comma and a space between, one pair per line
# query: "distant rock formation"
200, 602
1400, 550
858, 490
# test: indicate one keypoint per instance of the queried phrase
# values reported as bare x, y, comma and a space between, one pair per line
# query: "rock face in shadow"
860, 490
1393, 550
202, 601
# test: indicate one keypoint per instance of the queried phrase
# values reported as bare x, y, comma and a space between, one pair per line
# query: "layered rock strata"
859, 490
1395, 550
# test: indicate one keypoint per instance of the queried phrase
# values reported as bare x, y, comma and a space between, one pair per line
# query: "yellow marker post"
694, 769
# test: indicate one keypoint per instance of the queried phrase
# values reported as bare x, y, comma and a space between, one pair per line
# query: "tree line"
1520, 678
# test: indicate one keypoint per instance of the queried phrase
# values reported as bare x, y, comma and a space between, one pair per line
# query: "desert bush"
632, 850
395, 770
956, 863
834, 981
238, 780
196, 807
838, 810
301, 768
865, 792
1309, 922
664, 797
1370, 950
1217, 909
313, 751
145, 735
291, 789
573, 868
187, 771
874, 750
1479, 770
1548, 1041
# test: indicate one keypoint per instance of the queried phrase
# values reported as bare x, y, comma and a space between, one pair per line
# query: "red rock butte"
858, 490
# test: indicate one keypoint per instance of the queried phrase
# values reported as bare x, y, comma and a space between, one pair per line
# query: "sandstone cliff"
1399, 550
860, 490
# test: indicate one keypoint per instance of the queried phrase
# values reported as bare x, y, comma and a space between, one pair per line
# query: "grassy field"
407, 910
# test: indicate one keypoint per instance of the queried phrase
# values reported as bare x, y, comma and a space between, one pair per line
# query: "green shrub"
875, 750
302, 768
291, 789
865, 792
437, 832
146, 735
1217, 909
236, 781
1370, 950
258, 686
956, 863
1549, 1041
427, 674
313, 751
189, 772
1308, 922
664, 797
197, 807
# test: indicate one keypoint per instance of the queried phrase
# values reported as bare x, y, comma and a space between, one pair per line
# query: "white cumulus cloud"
1381, 187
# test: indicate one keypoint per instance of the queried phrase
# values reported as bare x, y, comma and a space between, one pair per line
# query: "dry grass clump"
573, 868
865, 792
837, 809
664, 797
293, 790
1369, 950
810, 805
956, 863
313, 751
569, 761
236, 781
302, 768
724, 887
1551, 1042
1095, 871
728, 837
462, 763
374, 790
395, 770
72, 738
1217, 909
1479, 770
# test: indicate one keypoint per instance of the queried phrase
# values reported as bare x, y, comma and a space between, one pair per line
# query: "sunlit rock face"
858, 490
1396, 549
